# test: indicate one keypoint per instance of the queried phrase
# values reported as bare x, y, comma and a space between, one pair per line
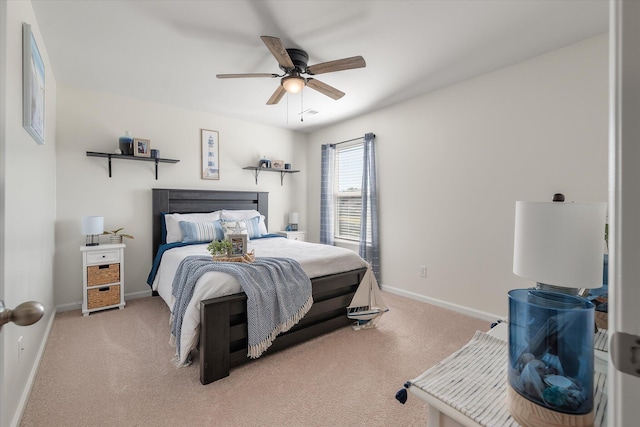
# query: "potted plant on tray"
219, 248
116, 237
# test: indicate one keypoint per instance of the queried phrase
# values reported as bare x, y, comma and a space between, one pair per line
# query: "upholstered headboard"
197, 201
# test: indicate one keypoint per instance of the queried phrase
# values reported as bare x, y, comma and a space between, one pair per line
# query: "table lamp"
92, 228
294, 217
559, 245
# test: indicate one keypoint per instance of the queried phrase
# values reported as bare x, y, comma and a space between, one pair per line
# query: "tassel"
401, 395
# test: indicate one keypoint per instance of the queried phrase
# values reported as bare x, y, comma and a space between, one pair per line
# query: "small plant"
117, 233
219, 247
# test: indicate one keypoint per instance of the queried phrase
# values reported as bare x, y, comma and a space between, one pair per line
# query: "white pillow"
234, 227
239, 215
172, 223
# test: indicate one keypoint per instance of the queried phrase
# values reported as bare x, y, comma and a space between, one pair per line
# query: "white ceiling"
170, 51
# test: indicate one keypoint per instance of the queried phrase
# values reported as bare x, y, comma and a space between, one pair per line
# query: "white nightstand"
102, 277
293, 235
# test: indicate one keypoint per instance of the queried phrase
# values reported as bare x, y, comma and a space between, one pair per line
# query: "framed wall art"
141, 147
33, 87
210, 148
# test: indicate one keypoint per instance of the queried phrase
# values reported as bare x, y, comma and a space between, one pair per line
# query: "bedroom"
484, 147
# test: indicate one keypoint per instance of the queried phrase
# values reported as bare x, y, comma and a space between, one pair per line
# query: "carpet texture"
114, 368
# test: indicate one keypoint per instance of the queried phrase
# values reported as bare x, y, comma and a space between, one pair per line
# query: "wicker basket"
103, 297
250, 257
103, 274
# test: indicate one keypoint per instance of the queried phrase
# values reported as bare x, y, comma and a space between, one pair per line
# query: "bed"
222, 329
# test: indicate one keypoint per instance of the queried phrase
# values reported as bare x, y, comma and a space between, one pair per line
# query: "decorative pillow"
234, 227
253, 227
201, 231
243, 215
172, 223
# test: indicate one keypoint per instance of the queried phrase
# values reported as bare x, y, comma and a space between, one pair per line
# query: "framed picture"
141, 147
277, 164
210, 148
238, 244
32, 86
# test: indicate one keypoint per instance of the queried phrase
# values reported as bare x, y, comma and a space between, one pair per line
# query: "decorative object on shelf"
551, 328
125, 144
256, 171
277, 164
210, 149
141, 147
155, 154
33, 87
119, 156
219, 248
92, 227
264, 163
294, 217
287, 166
116, 237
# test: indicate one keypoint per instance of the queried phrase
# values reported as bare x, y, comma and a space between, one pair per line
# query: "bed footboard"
223, 323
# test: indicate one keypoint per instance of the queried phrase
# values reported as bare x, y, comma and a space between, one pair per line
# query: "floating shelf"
130, 157
256, 170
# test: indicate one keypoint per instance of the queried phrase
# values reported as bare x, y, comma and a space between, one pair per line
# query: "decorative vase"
125, 143
115, 239
550, 372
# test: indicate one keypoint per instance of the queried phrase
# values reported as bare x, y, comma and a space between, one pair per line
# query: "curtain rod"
350, 140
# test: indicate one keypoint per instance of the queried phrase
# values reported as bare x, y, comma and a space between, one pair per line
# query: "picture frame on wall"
33, 87
210, 149
238, 245
141, 147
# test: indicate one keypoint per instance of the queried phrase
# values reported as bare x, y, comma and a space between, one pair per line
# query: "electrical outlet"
20, 349
423, 270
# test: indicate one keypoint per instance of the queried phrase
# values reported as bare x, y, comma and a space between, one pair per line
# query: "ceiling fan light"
293, 84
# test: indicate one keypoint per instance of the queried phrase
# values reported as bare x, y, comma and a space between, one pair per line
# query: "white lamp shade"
294, 217
560, 243
92, 225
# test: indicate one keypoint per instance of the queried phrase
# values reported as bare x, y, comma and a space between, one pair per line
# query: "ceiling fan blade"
277, 95
240, 76
337, 65
324, 88
278, 51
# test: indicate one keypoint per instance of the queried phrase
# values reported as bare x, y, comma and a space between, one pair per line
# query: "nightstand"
102, 277
293, 235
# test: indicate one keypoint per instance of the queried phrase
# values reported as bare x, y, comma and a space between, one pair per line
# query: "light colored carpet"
113, 368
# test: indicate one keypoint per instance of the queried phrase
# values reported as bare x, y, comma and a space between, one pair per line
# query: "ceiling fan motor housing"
299, 58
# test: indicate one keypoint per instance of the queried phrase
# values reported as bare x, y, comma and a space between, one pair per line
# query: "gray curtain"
369, 246
326, 194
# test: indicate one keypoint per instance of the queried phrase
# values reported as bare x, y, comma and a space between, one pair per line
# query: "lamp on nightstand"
294, 217
92, 228
551, 328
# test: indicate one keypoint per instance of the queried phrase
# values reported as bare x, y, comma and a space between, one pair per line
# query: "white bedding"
316, 260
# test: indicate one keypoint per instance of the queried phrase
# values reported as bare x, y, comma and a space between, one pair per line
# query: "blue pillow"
201, 231
253, 227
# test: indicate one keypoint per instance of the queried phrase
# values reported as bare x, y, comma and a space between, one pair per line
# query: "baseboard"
489, 317
136, 295
24, 399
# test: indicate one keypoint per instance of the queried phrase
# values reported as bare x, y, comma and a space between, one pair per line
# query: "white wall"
27, 211
92, 121
451, 165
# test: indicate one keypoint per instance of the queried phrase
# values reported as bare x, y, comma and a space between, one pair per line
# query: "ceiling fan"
294, 63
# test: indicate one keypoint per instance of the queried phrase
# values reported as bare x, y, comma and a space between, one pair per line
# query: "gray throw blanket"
278, 295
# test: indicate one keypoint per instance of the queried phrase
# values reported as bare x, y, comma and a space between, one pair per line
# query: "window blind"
348, 203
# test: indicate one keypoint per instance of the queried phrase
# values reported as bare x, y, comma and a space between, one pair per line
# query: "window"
348, 191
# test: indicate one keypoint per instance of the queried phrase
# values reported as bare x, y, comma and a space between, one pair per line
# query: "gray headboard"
188, 201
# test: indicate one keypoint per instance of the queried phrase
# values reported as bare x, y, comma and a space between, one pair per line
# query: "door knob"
25, 314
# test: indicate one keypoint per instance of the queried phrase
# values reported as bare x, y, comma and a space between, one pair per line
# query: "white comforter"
316, 260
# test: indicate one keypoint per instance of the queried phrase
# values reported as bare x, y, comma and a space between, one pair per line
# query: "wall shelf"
129, 157
256, 170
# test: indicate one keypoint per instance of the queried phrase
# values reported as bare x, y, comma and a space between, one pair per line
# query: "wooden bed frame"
223, 320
